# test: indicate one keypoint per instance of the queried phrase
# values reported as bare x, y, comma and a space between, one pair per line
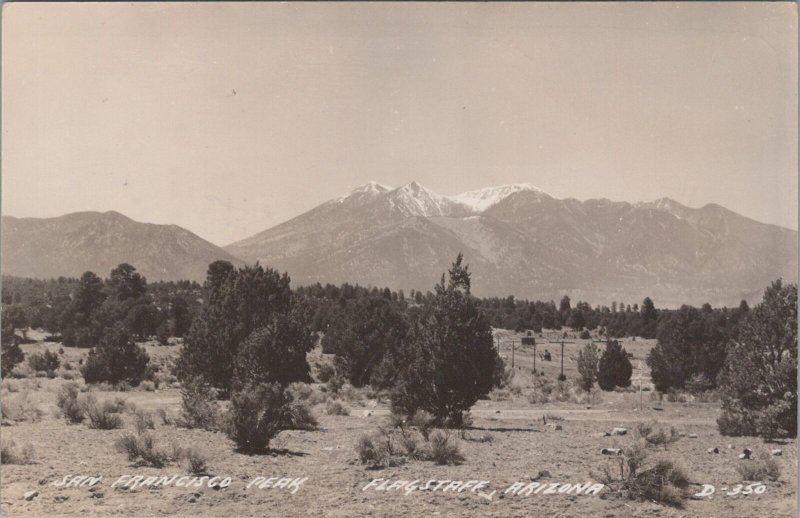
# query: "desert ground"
511, 440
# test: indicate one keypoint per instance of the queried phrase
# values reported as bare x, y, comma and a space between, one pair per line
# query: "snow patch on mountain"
415, 200
368, 189
482, 199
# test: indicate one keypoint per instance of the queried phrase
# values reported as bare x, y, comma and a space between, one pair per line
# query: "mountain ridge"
523, 241
73, 243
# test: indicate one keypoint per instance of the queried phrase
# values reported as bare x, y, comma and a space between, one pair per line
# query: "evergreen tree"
116, 358
449, 360
236, 303
588, 358
758, 384
649, 316
11, 354
614, 368
691, 343
126, 283
275, 353
366, 331
78, 324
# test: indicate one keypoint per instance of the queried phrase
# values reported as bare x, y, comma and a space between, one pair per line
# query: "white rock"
777, 452
30, 495
619, 431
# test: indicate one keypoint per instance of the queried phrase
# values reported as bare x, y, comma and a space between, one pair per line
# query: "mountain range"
98, 241
517, 239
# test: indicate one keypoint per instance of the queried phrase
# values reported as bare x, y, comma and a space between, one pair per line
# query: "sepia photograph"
399, 259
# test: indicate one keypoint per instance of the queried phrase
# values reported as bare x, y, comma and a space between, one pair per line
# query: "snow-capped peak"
482, 199
368, 189
416, 200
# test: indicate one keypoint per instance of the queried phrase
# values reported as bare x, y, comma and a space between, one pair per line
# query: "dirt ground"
521, 446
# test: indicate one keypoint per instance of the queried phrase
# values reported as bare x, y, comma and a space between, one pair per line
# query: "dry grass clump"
20, 407
762, 468
71, 403
145, 450
103, 416
165, 418
444, 450
11, 454
664, 482
143, 421
305, 392
199, 407
336, 408
408, 439
377, 450
300, 417
196, 461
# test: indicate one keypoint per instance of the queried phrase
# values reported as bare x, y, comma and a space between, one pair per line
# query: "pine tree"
614, 368
588, 359
449, 360
116, 358
236, 303
11, 354
365, 332
758, 384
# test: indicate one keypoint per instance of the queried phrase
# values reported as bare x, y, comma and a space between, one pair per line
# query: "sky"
229, 118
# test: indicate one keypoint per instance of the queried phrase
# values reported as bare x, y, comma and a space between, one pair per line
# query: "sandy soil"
521, 447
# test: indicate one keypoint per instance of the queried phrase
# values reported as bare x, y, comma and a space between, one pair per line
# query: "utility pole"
512, 354
562, 359
534, 356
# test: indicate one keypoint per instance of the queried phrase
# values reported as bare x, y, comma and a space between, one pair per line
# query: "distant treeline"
167, 308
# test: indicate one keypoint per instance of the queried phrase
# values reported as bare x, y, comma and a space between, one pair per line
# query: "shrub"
300, 416
47, 361
11, 454
351, 394
257, 414
22, 370
103, 416
498, 394
614, 368
166, 419
197, 461
21, 408
664, 483
423, 421
443, 449
325, 371
335, 384
336, 408
143, 421
762, 468
147, 386
199, 408
411, 446
377, 450
144, 450
304, 392
67, 400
